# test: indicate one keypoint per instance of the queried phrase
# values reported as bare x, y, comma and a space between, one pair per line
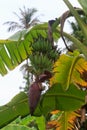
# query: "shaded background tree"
26, 19
77, 32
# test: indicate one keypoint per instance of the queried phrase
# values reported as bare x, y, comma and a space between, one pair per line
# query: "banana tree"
60, 107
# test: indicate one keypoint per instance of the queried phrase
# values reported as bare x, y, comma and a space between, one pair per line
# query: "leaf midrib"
65, 95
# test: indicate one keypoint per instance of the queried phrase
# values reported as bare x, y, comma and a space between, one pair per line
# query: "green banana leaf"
40, 121
16, 127
13, 52
18, 106
83, 3
26, 123
58, 99
18, 35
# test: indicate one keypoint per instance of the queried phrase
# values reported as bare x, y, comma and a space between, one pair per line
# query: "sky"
47, 9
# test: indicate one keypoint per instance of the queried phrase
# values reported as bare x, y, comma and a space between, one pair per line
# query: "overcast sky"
47, 9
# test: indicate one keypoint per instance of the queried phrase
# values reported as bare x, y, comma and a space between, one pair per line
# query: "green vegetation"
62, 105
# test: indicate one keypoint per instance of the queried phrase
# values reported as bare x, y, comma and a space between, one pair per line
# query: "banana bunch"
41, 46
44, 47
43, 55
40, 63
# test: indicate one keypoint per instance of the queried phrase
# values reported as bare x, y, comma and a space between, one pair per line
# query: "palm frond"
13, 26
25, 19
